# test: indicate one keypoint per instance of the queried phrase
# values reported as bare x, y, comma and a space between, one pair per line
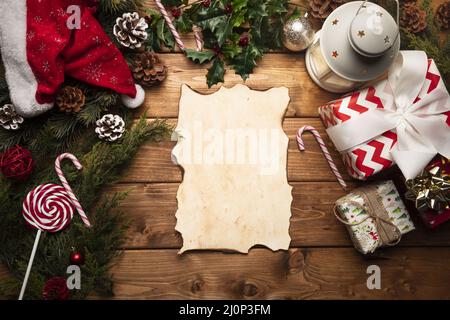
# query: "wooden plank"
274, 70
152, 207
153, 163
313, 273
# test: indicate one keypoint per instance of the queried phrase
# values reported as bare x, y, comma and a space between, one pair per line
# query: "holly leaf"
173, 3
164, 35
244, 63
277, 7
199, 56
220, 26
231, 50
257, 8
296, 14
183, 23
215, 73
239, 5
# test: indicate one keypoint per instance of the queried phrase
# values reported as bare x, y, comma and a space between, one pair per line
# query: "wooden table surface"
321, 264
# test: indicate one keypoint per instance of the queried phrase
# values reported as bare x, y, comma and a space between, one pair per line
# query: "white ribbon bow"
422, 131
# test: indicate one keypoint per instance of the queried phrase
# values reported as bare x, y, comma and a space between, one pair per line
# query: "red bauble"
243, 41
206, 3
217, 49
229, 8
56, 289
176, 13
16, 163
77, 258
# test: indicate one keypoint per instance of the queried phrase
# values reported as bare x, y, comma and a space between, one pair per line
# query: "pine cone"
9, 119
404, 2
70, 99
412, 18
148, 70
130, 30
443, 15
321, 9
110, 127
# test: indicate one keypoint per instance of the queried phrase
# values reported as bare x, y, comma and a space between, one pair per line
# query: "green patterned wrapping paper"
365, 236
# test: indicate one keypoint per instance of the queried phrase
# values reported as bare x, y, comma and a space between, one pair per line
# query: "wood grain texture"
274, 70
321, 264
153, 161
310, 273
151, 209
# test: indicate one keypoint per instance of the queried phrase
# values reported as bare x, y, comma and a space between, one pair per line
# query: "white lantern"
357, 43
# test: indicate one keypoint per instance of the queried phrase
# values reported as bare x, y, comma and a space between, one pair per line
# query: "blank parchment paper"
233, 150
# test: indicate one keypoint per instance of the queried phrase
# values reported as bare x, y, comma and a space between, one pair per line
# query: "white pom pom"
135, 102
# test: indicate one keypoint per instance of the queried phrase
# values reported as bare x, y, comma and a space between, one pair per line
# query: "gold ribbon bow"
432, 188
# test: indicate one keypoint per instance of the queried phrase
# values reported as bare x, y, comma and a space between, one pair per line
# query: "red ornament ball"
16, 163
77, 258
56, 289
176, 13
229, 8
206, 3
217, 49
243, 41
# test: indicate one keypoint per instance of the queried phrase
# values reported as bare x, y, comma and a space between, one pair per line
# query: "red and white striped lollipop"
50, 208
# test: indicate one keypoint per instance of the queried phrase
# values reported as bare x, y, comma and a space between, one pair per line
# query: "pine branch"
114, 7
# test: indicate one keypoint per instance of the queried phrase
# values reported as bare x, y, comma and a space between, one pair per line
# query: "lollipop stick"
30, 264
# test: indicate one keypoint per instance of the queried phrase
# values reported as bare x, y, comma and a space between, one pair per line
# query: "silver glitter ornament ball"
298, 34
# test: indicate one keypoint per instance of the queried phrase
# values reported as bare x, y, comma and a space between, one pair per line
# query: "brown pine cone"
70, 99
443, 15
321, 9
148, 70
403, 2
412, 18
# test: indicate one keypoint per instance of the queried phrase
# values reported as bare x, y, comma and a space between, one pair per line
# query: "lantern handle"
397, 16
397, 5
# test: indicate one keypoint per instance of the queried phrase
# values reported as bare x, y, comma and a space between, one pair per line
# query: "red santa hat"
38, 49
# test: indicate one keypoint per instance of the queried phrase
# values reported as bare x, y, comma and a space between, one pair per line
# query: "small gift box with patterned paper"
375, 216
403, 120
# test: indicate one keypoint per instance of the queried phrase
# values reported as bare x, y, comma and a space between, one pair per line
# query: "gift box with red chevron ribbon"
403, 119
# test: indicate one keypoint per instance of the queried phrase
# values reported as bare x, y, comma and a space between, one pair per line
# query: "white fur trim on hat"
13, 43
135, 102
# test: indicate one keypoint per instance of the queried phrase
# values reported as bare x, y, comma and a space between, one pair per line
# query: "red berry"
76, 258
176, 13
229, 8
206, 3
243, 41
217, 49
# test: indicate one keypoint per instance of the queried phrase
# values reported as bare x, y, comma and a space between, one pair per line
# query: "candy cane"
50, 208
173, 30
198, 37
66, 186
325, 152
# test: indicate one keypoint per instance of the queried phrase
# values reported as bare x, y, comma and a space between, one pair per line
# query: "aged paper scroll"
233, 150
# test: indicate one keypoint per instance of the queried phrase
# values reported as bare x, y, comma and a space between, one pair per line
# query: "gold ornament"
297, 34
432, 188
